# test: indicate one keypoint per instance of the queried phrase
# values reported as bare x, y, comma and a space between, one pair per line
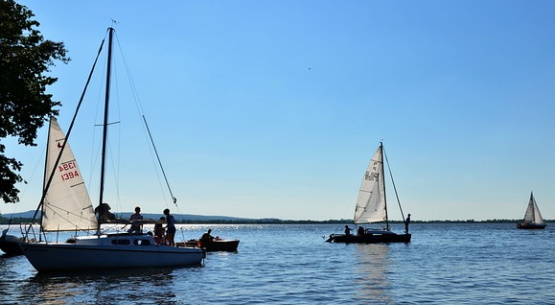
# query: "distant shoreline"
227, 220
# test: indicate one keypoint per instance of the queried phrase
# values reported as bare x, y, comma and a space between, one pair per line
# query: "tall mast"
105, 125
45, 179
383, 186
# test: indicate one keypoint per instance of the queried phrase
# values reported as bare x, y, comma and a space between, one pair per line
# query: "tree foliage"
25, 59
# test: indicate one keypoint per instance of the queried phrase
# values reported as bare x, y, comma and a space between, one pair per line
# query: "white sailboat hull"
109, 252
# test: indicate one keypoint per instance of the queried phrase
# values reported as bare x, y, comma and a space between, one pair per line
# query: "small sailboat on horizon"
532, 218
371, 207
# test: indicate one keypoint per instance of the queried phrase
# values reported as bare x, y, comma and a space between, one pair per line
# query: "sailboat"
371, 207
532, 218
65, 206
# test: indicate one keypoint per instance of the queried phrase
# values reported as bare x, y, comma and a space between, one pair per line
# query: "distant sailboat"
532, 218
371, 207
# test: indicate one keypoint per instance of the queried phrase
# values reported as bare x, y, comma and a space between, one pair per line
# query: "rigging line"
159, 162
394, 187
62, 215
47, 185
33, 173
115, 150
140, 111
114, 162
136, 98
96, 147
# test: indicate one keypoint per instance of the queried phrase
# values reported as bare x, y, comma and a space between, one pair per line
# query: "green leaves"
25, 57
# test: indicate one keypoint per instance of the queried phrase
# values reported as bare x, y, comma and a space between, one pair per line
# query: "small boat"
66, 206
217, 244
371, 207
10, 244
532, 218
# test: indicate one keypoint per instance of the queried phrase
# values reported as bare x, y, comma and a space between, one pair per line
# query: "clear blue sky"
274, 108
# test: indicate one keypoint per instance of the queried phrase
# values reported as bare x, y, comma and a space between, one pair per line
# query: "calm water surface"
291, 264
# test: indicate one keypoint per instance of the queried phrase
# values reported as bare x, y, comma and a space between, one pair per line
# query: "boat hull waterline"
224, 245
370, 238
530, 226
108, 252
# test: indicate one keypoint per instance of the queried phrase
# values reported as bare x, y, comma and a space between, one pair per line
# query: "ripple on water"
291, 264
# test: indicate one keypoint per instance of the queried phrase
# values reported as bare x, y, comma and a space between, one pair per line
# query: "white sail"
371, 204
67, 206
533, 214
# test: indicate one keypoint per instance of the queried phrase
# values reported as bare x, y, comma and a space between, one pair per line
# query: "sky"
273, 109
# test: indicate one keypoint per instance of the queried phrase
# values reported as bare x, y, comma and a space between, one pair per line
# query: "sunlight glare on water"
469, 263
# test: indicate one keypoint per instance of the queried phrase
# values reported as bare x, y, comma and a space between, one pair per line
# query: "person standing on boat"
159, 231
135, 226
407, 222
170, 228
103, 214
348, 230
360, 231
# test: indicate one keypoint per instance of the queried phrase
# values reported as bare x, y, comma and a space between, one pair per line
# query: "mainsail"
371, 204
533, 214
66, 206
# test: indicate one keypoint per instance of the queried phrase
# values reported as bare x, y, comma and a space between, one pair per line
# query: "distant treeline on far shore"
18, 220
339, 221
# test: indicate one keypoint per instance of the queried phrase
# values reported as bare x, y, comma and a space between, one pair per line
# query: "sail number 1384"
68, 170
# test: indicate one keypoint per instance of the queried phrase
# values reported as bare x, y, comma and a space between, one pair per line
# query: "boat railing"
29, 230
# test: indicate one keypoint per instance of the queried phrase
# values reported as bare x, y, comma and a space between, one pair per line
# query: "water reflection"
148, 286
373, 266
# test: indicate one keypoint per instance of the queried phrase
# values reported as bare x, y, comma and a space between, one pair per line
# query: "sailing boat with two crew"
65, 206
371, 207
532, 218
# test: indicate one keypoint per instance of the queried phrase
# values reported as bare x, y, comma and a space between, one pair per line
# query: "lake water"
291, 264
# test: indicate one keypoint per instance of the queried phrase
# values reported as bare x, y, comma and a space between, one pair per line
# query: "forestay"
66, 206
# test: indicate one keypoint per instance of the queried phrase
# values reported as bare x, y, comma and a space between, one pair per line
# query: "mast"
44, 180
105, 126
383, 186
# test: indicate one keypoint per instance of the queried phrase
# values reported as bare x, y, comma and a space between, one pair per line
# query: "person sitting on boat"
103, 213
348, 230
170, 228
136, 227
360, 231
407, 221
206, 238
159, 235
